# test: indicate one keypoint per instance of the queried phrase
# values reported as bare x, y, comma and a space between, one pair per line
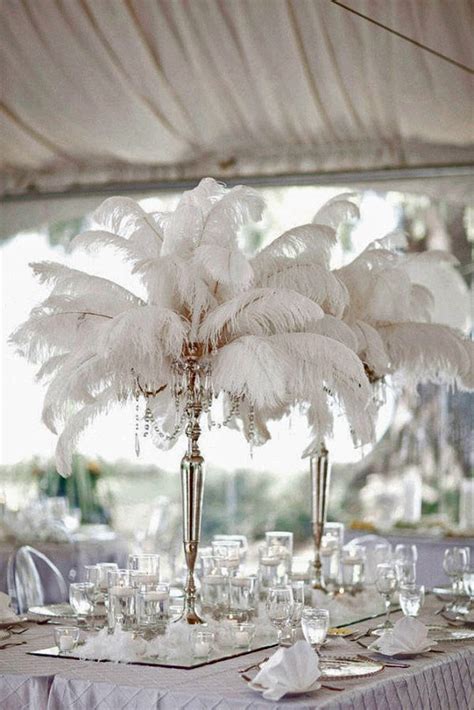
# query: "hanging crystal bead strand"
137, 422
251, 429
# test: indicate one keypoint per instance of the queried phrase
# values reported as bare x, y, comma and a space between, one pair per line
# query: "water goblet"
279, 607
81, 599
412, 598
315, 625
455, 564
386, 584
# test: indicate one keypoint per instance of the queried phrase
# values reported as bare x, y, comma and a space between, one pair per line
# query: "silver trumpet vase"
192, 485
320, 475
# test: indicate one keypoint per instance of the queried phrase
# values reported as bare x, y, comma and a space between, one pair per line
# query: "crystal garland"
182, 399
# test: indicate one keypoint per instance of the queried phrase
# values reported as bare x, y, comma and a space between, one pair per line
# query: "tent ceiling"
135, 91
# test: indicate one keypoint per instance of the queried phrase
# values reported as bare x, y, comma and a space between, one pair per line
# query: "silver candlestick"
320, 474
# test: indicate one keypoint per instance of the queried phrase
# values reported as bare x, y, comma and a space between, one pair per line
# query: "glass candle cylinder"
353, 566
280, 539
148, 566
152, 609
226, 555
273, 563
243, 597
121, 595
81, 599
215, 595
103, 571
66, 638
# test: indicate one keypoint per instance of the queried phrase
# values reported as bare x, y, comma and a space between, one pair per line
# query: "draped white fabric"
120, 90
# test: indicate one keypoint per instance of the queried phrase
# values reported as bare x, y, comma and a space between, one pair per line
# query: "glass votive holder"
243, 597
152, 609
273, 568
243, 635
202, 643
412, 598
353, 566
215, 595
226, 554
145, 567
66, 638
121, 600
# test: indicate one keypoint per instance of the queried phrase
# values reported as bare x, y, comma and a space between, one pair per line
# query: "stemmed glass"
279, 606
315, 624
298, 606
386, 584
455, 564
93, 577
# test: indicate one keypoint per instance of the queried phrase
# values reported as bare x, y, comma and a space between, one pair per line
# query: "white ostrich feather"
371, 348
74, 428
124, 217
334, 328
311, 241
336, 211
311, 280
261, 311
182, 230
425, 351
95, 239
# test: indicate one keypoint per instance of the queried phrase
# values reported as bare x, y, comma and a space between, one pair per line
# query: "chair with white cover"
377, 550
33, 580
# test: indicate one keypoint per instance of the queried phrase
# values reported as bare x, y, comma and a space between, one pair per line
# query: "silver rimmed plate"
55, 611
444, 633
347, 667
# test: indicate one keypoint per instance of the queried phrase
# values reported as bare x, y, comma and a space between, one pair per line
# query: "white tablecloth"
434, 682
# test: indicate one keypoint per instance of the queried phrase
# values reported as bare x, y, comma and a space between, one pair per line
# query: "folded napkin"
407, 636
289, 670
6, 612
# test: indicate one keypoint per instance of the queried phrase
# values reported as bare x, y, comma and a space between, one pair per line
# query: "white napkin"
407, 636
6, 612
289, 670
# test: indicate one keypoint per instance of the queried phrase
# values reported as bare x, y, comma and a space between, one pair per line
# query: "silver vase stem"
192, 487
320, 474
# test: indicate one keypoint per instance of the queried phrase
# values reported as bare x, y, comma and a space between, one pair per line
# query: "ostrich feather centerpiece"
262, 333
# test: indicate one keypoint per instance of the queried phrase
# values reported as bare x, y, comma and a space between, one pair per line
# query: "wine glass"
279, 606
386, 584
81, 599
455, 564
297, 588
315, 624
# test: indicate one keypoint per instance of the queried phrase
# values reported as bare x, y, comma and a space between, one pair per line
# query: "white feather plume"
337, 210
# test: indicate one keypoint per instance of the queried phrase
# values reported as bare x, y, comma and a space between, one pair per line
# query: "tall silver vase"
192, 487
320, 475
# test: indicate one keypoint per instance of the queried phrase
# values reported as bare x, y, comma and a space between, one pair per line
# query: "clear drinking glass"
455, 564
386, 584
412, 598
81, 599
103, 570
243, 597
121, 595
315, 625
279, 606
152, 609
227, 556
145, 567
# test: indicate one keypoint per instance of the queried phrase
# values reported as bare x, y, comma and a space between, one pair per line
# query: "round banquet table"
70, 558
434, 681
